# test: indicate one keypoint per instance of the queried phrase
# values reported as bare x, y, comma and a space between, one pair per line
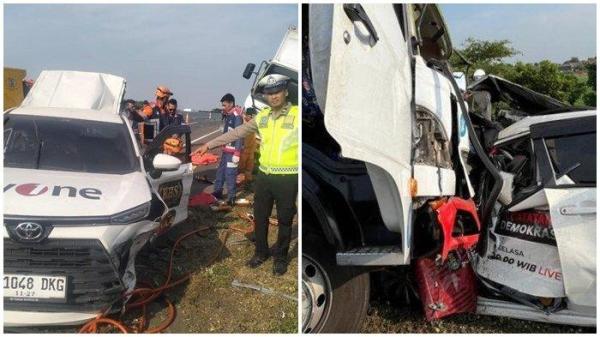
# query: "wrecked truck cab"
80, 200
383, 136
398, 171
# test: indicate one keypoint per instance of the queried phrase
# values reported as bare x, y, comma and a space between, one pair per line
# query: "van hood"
30, 192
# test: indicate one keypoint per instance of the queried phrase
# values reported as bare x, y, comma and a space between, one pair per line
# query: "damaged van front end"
540, 251
80, 200
65, 270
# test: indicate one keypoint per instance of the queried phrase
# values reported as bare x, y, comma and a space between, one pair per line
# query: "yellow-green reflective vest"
278, 141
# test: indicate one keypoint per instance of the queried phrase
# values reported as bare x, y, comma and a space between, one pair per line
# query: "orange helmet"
162, 91
147, 110
172, 145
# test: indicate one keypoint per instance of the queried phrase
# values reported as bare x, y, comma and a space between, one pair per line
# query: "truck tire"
334, 298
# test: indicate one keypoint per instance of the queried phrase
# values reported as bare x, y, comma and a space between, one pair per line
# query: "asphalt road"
204, 130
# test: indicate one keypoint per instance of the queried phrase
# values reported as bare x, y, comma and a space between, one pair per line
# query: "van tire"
349, 287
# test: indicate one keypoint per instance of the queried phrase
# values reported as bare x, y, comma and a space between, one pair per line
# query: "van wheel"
334, 298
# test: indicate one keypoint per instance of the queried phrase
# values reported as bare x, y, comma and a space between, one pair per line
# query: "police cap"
273, 83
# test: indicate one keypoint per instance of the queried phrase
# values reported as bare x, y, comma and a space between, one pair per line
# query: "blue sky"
198, 51
540, 31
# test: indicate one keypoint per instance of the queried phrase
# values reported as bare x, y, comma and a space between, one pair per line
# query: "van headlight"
131, 215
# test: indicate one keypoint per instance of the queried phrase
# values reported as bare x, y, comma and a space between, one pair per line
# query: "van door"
570, 156
173, 187
573, 214
361, 73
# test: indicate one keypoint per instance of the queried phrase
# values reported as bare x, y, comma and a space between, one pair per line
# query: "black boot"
256, 260
280, 266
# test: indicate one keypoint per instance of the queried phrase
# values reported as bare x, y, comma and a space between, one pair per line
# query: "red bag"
446, 289
202, 199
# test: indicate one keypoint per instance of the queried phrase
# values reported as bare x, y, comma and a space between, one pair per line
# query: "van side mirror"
164, 162
248, 71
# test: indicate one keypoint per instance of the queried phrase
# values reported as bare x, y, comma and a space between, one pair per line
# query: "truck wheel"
334, 298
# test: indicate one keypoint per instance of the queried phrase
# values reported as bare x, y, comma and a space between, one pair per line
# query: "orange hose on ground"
147, 294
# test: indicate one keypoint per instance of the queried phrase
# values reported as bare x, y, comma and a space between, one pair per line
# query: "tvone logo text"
35, 189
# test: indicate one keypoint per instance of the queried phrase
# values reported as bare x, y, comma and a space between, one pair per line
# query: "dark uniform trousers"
282, 191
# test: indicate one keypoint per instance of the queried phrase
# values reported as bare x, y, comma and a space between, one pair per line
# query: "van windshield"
62, 144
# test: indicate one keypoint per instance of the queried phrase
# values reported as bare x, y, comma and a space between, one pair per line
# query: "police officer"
277, 180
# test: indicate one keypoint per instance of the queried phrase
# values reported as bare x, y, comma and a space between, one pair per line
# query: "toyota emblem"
29, 231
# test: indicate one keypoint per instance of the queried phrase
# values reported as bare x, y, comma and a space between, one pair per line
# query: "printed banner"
524, 255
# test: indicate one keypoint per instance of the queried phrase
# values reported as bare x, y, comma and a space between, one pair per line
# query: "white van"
81, 199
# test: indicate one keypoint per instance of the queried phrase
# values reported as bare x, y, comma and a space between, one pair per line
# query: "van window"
62, 144
567, 151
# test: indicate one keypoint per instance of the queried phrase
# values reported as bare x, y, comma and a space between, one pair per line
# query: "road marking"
197, 139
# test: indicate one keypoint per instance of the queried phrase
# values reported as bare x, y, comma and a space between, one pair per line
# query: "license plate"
35, 286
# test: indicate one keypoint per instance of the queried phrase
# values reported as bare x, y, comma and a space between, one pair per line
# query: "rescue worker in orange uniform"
159, 108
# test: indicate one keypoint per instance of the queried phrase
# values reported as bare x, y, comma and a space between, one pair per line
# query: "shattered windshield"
62, 144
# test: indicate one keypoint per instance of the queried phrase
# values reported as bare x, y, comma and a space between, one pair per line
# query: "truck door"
361, 73
173, 187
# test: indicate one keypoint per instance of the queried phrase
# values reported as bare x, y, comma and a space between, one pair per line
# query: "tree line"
544, 77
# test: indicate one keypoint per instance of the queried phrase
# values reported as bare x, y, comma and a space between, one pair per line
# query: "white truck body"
362, 80
285, 62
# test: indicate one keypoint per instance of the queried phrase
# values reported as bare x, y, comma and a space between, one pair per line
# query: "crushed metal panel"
76, 89
522, 127
522, 254
492, 307
520, 97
